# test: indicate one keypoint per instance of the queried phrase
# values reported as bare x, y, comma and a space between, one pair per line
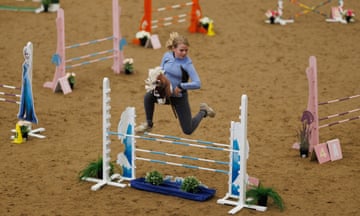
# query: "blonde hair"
176, 39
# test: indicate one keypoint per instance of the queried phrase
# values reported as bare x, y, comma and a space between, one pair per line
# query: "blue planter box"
173, 189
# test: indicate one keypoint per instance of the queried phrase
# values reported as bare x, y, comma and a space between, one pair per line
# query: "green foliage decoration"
190, 184
154, 177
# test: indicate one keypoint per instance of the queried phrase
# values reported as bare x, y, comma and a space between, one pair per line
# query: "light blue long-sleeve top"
172, 67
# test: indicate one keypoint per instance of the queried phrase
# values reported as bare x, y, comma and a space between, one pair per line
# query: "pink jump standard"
313, 106
60, 60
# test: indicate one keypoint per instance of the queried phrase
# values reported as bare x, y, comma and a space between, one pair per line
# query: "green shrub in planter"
190, 184
94, 170
24, 131
260, 195
154, 177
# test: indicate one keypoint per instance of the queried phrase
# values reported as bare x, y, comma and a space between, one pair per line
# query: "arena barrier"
23, 97
58, 58
313, 105
238, 153
147, 23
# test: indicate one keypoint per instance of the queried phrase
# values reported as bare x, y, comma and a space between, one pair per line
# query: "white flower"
142, 34
128, 61
70, 74
205, 20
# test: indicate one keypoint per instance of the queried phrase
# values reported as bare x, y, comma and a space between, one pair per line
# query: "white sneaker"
143, 127
209, 111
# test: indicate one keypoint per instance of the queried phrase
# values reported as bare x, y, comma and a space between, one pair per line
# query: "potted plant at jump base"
128, 65
46, 4
143, 37
259, 195
95, 170
25, 131
348, 15
205, 22
22, 131
71, 79
304, 133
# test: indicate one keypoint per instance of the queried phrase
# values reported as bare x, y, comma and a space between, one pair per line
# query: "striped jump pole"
116, 53
9, 87
186, 139
148, 24
90, 61
237, 149
7, 95
313, 105
175, 142
308, 9
166, 21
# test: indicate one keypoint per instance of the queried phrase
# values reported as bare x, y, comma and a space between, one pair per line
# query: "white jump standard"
275, 16
238, 153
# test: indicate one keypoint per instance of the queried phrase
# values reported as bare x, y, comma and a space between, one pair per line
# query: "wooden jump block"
334, 149
154, 42
329, 151
63, 85
322, 153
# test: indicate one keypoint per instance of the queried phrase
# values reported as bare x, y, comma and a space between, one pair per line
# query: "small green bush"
190, 184
257, 192
154, 177
94, 170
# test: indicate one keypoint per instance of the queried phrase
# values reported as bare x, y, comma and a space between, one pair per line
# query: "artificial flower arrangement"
348, 15
25, 128
272, 15
71, 79
205, 22
143, 36
128, 65
259, 195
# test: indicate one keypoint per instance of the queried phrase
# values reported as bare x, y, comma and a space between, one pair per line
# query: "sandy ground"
246, 56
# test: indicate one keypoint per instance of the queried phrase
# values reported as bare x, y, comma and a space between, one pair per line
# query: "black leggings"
182, 109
